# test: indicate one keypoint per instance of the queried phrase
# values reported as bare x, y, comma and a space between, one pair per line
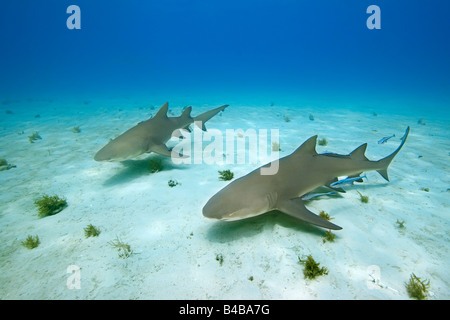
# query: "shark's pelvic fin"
162, 149
296, 208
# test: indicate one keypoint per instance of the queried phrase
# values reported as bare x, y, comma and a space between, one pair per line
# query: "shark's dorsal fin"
308, 147
162, 112
359, 153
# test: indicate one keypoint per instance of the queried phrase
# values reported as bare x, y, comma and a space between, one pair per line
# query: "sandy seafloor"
175, 247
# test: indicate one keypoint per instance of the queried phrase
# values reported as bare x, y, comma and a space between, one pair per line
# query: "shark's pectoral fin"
296, 208
163, 150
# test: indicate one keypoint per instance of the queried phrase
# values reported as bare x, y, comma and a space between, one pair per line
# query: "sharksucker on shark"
298, 174
152, 135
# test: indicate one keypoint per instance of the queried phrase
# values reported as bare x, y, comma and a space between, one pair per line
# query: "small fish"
347, 181
385, 139
309, 196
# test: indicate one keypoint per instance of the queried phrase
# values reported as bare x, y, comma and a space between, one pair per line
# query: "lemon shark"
298, 174
151, 135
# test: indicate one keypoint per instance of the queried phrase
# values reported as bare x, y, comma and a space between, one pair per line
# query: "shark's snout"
99, 157
103, 155
211, 210
234, 203
117, 151
219, 207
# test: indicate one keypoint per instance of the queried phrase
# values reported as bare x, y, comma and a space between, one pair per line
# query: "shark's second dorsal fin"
308, 147
187, 112
359, 153
186, 116
162, 112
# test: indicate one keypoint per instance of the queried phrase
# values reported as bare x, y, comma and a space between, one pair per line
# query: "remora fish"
385, 139
310, 196
348, 181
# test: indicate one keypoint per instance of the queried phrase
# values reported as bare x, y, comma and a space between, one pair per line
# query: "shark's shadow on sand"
134, 169
229, 231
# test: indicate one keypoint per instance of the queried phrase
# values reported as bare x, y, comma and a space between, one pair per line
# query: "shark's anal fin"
296, 208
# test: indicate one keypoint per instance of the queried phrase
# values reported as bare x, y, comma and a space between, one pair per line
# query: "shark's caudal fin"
385, 162
205, 116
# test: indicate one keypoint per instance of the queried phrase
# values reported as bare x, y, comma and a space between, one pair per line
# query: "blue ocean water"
247, 52
304, 68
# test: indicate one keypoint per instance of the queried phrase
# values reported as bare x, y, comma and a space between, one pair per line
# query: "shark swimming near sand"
151, 135
299, 173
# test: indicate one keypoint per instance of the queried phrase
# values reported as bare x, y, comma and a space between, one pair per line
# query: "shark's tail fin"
385, 162
205, 116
